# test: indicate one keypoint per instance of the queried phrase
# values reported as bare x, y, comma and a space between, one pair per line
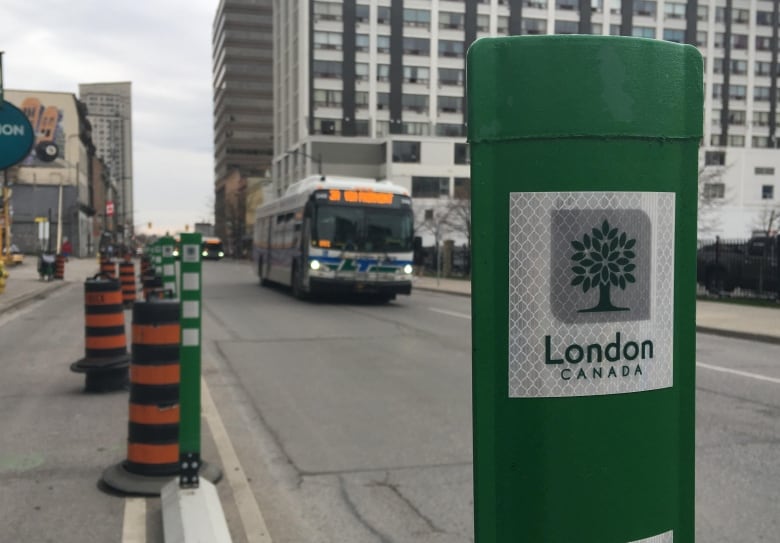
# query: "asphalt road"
350, 422
365, 412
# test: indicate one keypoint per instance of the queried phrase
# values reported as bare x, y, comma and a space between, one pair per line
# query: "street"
347, 422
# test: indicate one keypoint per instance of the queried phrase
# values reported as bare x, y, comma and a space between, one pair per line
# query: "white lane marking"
450, 313
740, 373
251, 518
134, 523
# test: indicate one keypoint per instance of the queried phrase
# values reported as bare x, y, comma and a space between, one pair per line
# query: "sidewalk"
712, 317
24, 286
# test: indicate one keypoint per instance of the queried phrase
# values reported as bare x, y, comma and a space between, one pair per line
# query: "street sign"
16, 135
584, 187
41, 219
109, 209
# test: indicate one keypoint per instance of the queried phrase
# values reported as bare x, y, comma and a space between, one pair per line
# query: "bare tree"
459, 214
767, 220
712, 198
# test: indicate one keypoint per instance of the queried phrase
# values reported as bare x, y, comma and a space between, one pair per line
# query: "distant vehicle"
211, 248
16, 256
752, 265
337, 235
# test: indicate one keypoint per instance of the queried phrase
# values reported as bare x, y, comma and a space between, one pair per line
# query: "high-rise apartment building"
109, 110
376, 87
243, 100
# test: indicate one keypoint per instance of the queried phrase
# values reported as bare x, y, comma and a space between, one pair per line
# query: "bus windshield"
363, 229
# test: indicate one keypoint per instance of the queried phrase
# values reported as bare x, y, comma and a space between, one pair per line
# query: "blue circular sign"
16, 135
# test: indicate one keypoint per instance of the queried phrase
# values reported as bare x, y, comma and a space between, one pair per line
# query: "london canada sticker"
606, 260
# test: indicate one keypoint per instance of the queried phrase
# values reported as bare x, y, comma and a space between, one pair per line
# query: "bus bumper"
321, 285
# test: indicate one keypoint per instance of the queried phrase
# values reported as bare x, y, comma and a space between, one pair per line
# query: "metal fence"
739, 267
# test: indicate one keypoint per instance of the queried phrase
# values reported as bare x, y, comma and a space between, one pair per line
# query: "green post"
189, 426
584, 194
167, 244
157, 258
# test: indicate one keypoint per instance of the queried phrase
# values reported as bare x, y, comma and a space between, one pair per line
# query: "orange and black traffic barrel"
153, 422
107, 267
153, 287
59, 267
106, 359
153, 433
127, 280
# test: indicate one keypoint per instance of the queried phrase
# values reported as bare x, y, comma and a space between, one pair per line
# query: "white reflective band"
189, 310
190, 281
666, 537
169, 269
190, 337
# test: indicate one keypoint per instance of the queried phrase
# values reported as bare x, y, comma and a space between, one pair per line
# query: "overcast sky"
164, 49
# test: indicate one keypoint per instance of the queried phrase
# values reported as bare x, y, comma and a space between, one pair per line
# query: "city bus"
337, 235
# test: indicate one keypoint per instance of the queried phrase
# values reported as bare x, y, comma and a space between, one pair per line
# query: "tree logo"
602, 260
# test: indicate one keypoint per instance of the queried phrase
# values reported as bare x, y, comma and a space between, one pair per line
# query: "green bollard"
167, 245
584, 194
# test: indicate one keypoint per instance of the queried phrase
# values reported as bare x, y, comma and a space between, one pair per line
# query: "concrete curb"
192, 515
31, 297
750, 336
764, 338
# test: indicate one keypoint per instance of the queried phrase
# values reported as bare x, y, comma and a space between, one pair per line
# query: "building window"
327, 126
450, 104
503, 25
450, 76
566, 4
736, 140
462, 188
416, 129
451, 48
361, 71
643, 32
417, 17
759, 170
534, 26
383, 14
763, 43
767, 192
415, 102
416, 74
327, 11
327, 68
739, 41
714, 190
383, 100
406, 151
361, 99
416, 46
737, 117
450, 130
715, 158
451, 20
761, 118
701, 38
361, 42
760, 142
327, 98
327, 40
538, 4
761, 94
483, 23
566, 27
362, 127
675, 35
362, 13
430, 187
763, 68
382, 44
383, 72
674, 10
765, 18
644, 7
462, 154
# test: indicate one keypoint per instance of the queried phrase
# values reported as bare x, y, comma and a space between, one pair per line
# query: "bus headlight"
221, 254
315, 265
204, 253
175, 253
408, 269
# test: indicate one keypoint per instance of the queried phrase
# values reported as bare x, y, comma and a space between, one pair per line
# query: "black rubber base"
117, 480
105, 374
